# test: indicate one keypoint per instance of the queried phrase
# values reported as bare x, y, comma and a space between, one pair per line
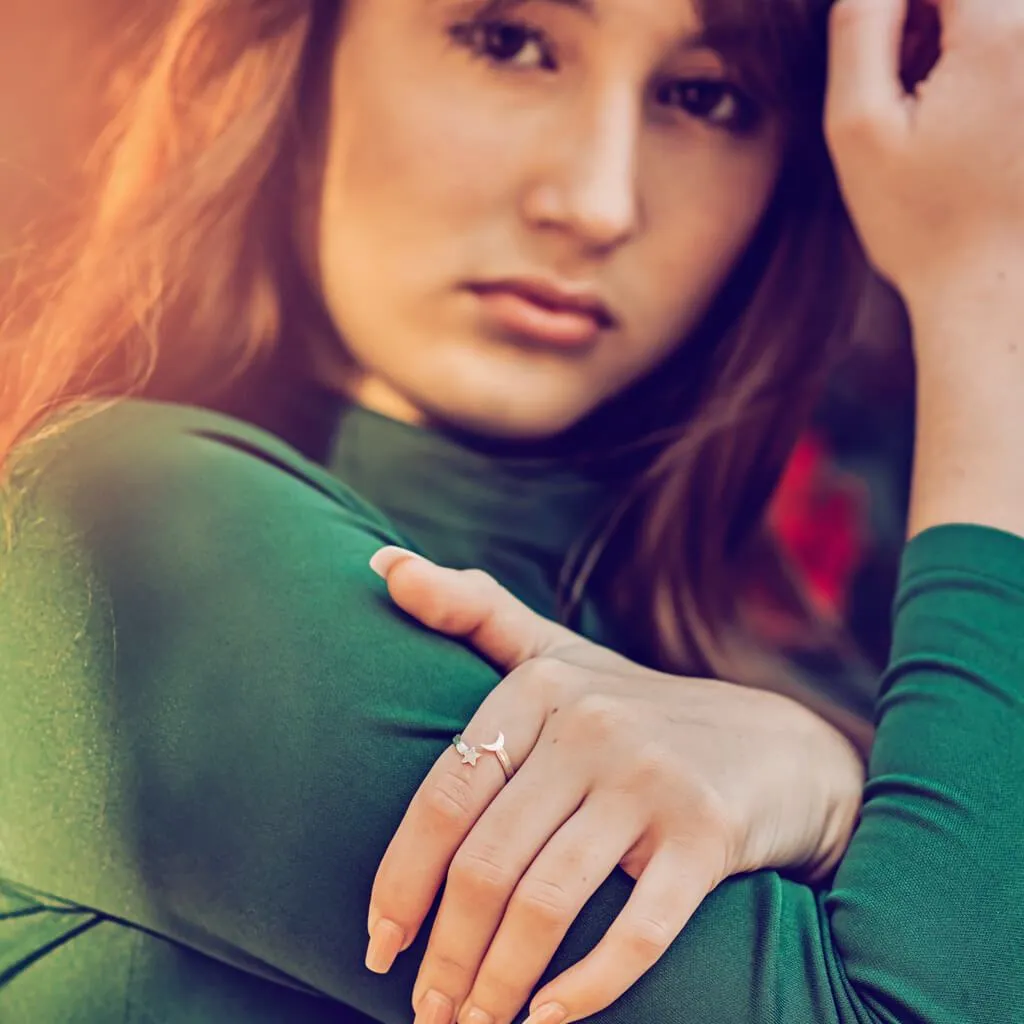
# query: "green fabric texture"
212, 720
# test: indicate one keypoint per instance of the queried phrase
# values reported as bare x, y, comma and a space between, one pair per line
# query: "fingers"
469, 604
548, 898
865, 47
485, 875
437, 821
444, 810
665, 897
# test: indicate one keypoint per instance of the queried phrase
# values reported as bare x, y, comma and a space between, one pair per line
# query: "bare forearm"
969, 462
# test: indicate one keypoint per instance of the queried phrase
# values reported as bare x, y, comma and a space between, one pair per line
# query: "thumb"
471, 605
866, 50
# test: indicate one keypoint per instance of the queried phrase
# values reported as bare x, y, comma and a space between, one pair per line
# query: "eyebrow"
587, 7
721, 38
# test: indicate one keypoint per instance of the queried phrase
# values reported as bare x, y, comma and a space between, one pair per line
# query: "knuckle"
498, 992
451, 968
598, 717
450, 802
481, 874
706, 846
646, 939
710, 815
545, 904
651, 765
543, 679
854, 127
545, 672
713, 811
441, 614
444, 963
482, 581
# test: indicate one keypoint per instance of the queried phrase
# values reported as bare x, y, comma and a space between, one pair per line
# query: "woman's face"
526, 204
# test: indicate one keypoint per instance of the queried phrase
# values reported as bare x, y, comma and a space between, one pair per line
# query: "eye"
721, 104
509, 43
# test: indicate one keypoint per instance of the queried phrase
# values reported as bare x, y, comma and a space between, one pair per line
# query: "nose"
589, 186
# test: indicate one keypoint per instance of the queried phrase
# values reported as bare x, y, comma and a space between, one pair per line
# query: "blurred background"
47, 98
840, 511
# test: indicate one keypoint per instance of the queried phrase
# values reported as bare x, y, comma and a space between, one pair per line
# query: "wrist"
968, 330
959, 315
968, 463
968, 339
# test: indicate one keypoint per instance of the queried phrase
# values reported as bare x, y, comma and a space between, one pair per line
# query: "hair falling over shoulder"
167, 260
171, 269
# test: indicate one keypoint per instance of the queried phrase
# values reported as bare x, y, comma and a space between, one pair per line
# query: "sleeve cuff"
962, 548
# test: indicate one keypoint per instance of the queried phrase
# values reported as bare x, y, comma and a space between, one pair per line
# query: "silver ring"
470, 755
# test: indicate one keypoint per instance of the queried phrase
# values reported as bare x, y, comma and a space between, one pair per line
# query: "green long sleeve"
212, 720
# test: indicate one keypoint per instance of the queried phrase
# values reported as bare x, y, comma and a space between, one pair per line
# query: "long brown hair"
181, 236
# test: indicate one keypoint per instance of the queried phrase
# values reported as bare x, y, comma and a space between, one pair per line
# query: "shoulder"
136, 463
140, 498
144, 451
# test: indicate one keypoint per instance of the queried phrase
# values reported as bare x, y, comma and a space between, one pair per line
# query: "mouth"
545, 311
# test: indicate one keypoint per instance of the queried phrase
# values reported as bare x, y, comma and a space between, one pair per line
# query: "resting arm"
218, 721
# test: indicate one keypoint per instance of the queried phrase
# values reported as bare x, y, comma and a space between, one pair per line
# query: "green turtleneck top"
212, 720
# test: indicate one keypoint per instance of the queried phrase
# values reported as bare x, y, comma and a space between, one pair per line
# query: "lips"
545, 312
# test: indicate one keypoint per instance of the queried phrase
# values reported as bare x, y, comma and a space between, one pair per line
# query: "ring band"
470, 755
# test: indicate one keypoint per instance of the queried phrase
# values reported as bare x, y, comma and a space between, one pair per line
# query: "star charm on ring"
470, 755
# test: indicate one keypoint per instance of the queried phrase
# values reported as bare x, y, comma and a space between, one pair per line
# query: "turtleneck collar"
426, 478
516, 510
518, 517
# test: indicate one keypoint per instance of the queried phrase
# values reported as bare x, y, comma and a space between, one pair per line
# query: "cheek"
416, 161
707, 213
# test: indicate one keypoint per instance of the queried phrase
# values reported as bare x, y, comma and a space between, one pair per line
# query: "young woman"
488, 270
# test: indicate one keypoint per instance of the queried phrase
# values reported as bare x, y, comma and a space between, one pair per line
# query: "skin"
580, 153
901, 156
936, 184
598, 145
681, 782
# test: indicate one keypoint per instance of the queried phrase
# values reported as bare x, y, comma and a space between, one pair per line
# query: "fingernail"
549, 1013
385, 944
435, 1008
477, 1016
385, 558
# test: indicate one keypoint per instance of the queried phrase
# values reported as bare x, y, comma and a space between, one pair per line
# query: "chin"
507, 417
495, 391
